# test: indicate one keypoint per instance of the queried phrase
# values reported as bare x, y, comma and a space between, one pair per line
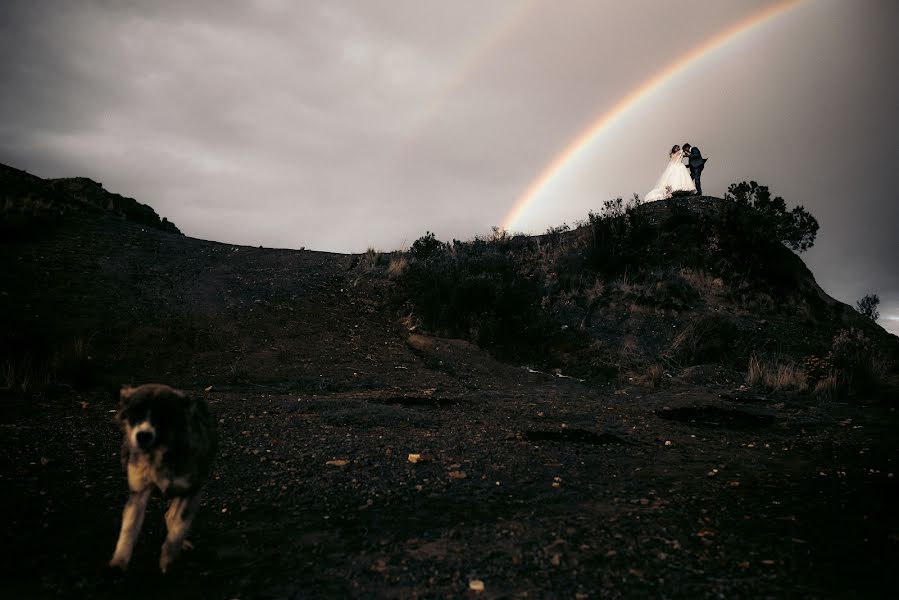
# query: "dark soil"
538, 486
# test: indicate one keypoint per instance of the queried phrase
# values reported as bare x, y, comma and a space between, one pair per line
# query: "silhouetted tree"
767, 215
868, 306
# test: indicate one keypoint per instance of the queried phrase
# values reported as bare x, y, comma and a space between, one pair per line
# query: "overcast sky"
346, 125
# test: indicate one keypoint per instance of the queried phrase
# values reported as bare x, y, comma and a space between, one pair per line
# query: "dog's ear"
124, 396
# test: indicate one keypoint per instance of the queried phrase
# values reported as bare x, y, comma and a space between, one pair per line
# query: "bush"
849, 367
478, 291
765, 217
867, 306
852, 356
426, 247
618, 237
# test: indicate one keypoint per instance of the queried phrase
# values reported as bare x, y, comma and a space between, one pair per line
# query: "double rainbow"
584, 139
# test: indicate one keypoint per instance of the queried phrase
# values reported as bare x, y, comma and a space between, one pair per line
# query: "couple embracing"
679, 177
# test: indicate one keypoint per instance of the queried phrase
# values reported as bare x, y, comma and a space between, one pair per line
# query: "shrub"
852, 355
850, 366
426, 247
618, 237
478, 291
867, 306
765, 217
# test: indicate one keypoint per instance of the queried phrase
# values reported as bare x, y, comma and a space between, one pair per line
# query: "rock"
457, 474
337, 462
414, 458
476, 585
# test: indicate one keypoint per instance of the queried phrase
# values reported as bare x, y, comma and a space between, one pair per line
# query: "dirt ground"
534, 485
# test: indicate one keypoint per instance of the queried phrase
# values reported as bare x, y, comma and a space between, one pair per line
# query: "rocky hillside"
691, 289
26, 200
394, 425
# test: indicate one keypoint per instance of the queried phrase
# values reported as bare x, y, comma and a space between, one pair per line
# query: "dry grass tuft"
828, 388
397, 266
652, 377
775, 377
371, 259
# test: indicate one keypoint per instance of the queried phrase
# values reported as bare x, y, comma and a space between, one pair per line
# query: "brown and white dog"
169, 443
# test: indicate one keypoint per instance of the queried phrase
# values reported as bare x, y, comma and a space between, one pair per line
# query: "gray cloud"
345, 125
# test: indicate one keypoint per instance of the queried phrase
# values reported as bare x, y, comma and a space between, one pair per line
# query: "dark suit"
695, 162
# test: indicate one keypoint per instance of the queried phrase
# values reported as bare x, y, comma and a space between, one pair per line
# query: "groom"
696, 163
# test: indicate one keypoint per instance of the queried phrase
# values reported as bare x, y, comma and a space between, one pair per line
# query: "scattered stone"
379, 566
208, 388
457, 474
414, 458
476, 585
338, 462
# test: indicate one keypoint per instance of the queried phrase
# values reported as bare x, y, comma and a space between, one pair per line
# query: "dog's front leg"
132, 521
178, 519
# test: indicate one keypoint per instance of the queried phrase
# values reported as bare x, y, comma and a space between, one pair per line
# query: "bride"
675, 178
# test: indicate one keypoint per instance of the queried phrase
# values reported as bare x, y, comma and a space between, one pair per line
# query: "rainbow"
627, 102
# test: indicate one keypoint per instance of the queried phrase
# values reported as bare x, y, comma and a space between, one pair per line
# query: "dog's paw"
118, 564
167, 557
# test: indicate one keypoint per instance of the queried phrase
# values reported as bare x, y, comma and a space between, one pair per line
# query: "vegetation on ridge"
663, 288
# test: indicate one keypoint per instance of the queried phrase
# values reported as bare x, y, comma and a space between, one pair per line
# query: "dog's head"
150, 415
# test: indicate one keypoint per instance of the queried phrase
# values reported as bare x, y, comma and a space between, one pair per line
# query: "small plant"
371, 259
652, 377
852, 355
426, 247
397, 266
553, 235
775, 377
867, 306
850, 366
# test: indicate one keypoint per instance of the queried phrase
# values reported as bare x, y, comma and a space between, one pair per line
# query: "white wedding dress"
675, 178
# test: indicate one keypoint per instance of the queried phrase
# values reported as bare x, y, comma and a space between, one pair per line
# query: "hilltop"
695, 288
27, 200
583, 403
